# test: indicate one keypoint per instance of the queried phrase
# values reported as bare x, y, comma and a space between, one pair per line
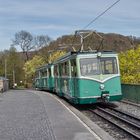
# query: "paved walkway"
33, 115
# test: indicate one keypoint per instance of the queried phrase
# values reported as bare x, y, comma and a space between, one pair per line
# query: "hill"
111, 41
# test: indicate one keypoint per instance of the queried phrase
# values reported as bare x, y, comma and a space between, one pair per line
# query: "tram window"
44, 73
89, 66
60, 69
109, 65
95, 66
73, 68
56, 70
41, 74
49, 72
37, 74
65, 68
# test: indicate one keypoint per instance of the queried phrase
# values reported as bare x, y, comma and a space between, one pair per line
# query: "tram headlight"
99, 54
102, 86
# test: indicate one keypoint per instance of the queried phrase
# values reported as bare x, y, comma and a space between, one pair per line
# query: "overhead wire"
101, 14
97, 17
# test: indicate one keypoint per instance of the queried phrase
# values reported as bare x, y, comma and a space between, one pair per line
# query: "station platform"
64, 124
39, 115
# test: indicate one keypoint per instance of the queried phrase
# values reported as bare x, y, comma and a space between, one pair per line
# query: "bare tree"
24, 39
41, 41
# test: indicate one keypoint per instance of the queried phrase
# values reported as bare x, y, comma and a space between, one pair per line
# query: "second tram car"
44, 78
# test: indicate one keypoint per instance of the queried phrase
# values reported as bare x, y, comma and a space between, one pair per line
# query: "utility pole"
5, 68
14, 78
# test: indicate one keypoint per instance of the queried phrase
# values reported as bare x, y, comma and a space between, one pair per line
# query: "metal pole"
83, 34
13, 77
5, 68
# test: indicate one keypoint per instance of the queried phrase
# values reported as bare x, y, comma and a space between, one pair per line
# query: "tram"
83, 77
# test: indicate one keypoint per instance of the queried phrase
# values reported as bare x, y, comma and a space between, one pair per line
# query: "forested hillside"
19, 67
115, 42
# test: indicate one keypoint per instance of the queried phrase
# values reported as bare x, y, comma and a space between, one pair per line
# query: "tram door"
73, 77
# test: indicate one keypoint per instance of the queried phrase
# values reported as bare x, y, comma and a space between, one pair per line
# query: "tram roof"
71, 54
74, 54
44, 66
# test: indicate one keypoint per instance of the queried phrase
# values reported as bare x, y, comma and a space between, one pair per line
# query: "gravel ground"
113, 131
135, 110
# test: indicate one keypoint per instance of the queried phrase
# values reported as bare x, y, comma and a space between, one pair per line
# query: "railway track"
127, 122
132, 117
130, 103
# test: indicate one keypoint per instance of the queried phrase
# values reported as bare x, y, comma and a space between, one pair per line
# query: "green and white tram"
88, 77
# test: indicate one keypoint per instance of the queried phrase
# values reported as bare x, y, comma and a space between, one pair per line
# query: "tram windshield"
96, 66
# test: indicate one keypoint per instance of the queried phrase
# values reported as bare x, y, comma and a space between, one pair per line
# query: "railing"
131, 92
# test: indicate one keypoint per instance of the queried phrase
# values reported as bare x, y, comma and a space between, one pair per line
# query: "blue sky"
60, 17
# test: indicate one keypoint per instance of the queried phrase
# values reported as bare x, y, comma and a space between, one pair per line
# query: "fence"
131, 92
